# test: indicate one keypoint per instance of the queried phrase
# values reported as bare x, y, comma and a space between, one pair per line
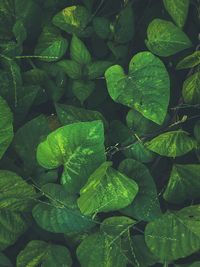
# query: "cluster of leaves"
99, 133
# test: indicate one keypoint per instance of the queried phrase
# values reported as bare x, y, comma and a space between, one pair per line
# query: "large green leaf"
6, 127
172, 144
166, 39
106, 190
27, 138
190, 61
40, 253
79, 147
191, 89
69, 114
145, 88
73, 19
174, 235
184, 183
178, 10
15, 193
146, 204
51, 45
99, 250
79, 52
12, 225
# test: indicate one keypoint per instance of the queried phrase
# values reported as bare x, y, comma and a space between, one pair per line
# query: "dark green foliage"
99, 133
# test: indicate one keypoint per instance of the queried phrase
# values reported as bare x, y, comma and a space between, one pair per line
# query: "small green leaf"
124, 27
190, 61
191, 89
41, 253
6, 127
16, 194
106, 190
178, 10
145, 88
79, 52
71, 68
174, 235
184, 183
82, 89
79, 147
70, 114
172, 144
51, 46
117, 225
166, 39
12, 225
97, 69
102, 27
72, 19
19, 31
139, 124
146, 205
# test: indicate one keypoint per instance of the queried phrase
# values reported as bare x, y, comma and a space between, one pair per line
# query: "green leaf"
139, 124
191, 89
70, 114
72, 19
59, 218
166, 39
12, 225
102, 27
79, 147
100, 251
16, 194
82, 89
197, 131
124, 27
146, 205
19, 31
97, 69
106, 190
40, 253
6, 18
184, 183
6, 127
178, 10
140, 254
174, 235
79, 52
117, 225
4, 261
71, 68
172, 144
27, 138
51, 46
190, 61
145, 88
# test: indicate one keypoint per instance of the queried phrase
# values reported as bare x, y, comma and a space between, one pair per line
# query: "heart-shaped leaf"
145, 88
